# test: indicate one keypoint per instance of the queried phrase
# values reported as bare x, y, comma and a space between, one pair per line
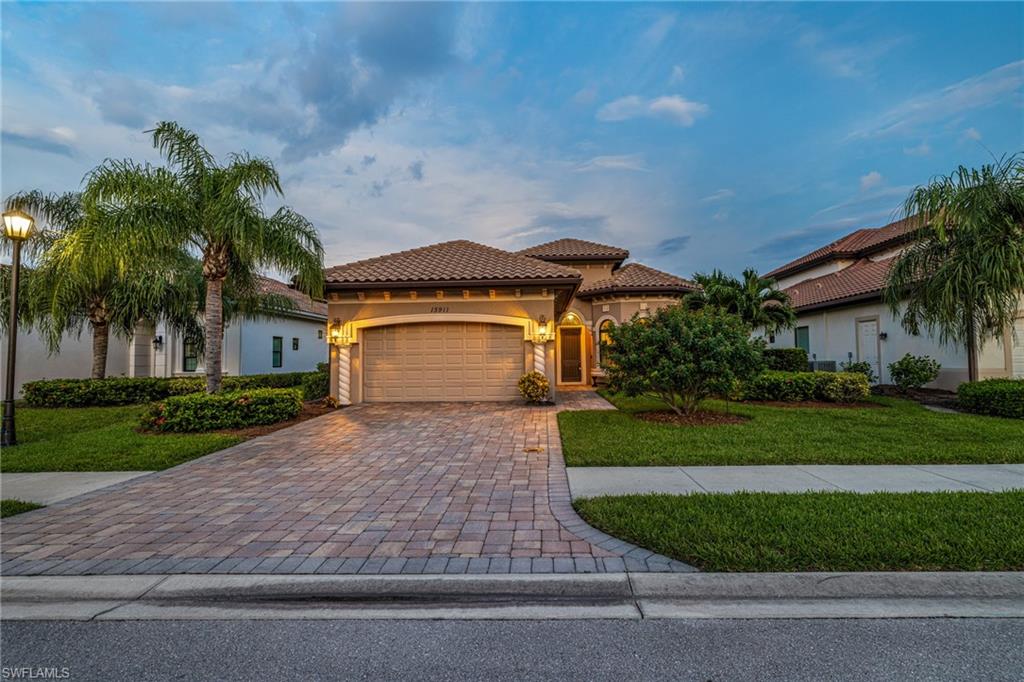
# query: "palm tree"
77, 282
963, 274
757, 300
214, 211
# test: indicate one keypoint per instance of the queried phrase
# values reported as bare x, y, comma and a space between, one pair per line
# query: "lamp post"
17, 226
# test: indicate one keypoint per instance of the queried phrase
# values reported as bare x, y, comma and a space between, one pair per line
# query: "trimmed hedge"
997, 397
136, 390
317, 385
786, 359
832, 387
226, 410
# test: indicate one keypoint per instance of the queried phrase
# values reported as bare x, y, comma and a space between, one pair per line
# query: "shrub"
832, 387
913, 371
998, 397
136, 390
534, 387
224, 410
862, 367
681, 357
317, 385
786, 359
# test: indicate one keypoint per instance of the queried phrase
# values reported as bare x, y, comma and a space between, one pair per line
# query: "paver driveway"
389, 488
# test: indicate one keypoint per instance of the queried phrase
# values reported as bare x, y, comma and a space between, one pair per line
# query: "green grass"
954, 531
12, 507
99, 439
900, 432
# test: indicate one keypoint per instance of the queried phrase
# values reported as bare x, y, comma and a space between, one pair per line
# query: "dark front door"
569, 350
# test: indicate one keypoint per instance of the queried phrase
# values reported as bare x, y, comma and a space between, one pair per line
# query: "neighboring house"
837, 293
463, 321
288, 341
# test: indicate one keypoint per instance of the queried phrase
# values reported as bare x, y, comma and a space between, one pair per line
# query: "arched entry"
572, 350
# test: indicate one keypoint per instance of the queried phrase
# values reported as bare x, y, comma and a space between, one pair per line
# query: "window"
295, 343
190, 356
320, 333
603, 337
803, 338
276, 356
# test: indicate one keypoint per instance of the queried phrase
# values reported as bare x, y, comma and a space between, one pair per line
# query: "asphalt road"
938, 649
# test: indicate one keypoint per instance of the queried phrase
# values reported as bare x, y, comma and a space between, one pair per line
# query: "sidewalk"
53, 486
594, 481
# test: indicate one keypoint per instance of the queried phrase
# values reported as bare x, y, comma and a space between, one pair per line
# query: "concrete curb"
699, 595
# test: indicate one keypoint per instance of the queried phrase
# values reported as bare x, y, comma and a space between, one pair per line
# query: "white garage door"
442, 361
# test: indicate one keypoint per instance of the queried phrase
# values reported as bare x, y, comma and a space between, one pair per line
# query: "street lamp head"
18, 225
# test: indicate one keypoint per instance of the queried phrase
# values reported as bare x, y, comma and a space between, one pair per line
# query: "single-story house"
837, 293
287, 341
463, 321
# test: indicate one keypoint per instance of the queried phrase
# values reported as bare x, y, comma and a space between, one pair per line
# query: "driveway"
386, 488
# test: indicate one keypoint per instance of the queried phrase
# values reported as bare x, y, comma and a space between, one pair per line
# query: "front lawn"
949, 531
100, 439
899, 432
13, 507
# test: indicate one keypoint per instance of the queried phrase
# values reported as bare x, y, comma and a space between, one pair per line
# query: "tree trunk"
972, 351
100, 341
214, 324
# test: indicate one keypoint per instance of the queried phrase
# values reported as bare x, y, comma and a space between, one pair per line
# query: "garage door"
442, 361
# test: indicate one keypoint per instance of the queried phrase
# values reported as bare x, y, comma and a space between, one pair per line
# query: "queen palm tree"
76, 282
757, 300
963, 274
214, 211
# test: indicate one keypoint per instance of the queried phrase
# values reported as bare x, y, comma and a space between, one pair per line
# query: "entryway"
570, 355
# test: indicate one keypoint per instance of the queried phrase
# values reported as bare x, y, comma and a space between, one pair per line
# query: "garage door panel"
442, 361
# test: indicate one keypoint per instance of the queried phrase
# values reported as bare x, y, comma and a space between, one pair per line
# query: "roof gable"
855, 281
575, 249
858, 244
459, 261
636, 277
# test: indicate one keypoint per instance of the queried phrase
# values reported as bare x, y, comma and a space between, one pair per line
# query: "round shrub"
913, 371
862, 367
997, 397
534, 387
225, 410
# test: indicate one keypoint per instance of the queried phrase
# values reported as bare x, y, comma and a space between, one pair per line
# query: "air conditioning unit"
822, 365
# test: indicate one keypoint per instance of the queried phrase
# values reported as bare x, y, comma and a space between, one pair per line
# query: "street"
924, 649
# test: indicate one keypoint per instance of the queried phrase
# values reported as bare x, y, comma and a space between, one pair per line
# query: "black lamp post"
17, 227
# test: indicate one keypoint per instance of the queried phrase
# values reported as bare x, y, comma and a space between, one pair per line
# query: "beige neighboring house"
460, 321
837, 293
289, 341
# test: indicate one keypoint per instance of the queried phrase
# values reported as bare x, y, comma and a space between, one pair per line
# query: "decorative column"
344, 374
540, 351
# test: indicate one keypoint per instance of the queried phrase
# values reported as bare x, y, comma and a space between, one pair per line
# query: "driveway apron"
384, 488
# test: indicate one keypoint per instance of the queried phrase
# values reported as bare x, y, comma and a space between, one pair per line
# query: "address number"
439, 309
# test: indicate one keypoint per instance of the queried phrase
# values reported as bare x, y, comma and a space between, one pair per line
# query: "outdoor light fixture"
17, 227
340, 334
883, 336
544, 333
158, 342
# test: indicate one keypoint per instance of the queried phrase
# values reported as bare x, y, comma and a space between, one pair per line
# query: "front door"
569, 351
867, 345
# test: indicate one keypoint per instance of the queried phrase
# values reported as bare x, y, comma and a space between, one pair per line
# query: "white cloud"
670, 107
720, 195
972, 134
622, 162
872, 179
978, 92
659, 29
585, 95
923, 149
678, 73
854, 60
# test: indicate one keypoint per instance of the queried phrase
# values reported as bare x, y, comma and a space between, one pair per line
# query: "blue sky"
696, 135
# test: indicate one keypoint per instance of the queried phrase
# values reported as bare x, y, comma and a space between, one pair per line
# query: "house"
463, 321
837, 293
287, 341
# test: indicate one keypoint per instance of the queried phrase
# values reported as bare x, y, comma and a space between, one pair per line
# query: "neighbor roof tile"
575, 249
857, 244
637, 277
859, 279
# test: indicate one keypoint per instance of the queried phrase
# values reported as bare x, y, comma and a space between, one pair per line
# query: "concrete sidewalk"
593, 481
491, 597
53, 486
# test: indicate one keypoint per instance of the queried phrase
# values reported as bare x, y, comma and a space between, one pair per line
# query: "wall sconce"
883, 336
340, 333
544, 331
158, 343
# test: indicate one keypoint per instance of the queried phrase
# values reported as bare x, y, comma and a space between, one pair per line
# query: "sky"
697, 135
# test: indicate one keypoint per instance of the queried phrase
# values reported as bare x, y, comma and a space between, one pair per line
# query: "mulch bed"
925, 396
310, 410
696, 419
820, 404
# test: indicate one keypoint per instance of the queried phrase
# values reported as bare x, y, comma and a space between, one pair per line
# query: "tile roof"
456, 261
636, 277
301, 302
859, 279
857, 244
575, 249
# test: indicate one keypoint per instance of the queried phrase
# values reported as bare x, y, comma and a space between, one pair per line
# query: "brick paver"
387, 488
